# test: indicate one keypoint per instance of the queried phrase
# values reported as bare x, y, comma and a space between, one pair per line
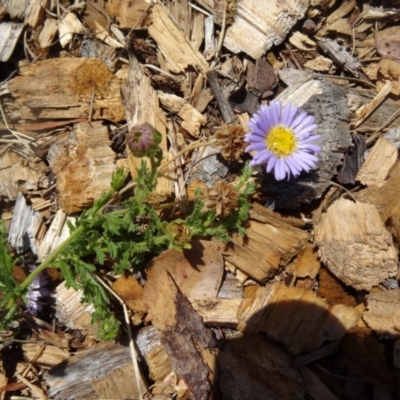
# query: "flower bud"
143, 140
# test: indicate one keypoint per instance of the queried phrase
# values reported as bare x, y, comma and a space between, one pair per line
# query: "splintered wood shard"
355, 245
267, 247
257, 28
175, 47
182, 333
141, 105
83, 162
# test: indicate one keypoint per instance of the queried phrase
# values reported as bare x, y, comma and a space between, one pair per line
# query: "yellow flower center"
281, 141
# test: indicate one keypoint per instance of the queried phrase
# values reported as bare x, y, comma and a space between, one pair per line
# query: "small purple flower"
36, 291
283, 140
143, 140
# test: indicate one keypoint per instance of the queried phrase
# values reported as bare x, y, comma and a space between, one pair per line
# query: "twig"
349, 78
226, 110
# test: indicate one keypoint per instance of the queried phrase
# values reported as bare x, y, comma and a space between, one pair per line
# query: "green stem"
46, 263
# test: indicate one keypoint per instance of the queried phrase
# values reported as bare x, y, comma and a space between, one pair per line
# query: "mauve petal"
310, 148
294, 167
253, 137
256, 147
263, 156
271, 163
298, 120
311, 138
273, 116
279, 170
289, 112
305, 132
306, 159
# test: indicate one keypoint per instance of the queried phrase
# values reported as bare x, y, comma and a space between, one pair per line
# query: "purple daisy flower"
283, 140
36, 291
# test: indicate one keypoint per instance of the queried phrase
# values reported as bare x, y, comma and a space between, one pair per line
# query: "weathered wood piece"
102, 371
141, 105
380, 160
218, 312
32, 12
355, 245
327, 103
306, 264
83, 162
197, 271
385, 199
183, 334
131, 292
62, 88
340, 56
130, 15
295, 317
26, 229
16, 175
71, 312
267, 247
192, 120
44, 355
55, 234
383, 313
245, 362
68, 26
257, 28
175, 47
9, 35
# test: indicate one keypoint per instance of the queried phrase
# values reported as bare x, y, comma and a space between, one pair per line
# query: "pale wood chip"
9, 35
319, 63
218, 312
380, 160
45, 355
302, 41
174, 46
48, 33
69, 25
257, 28
383, 313
16, 175
355, 245
389, 70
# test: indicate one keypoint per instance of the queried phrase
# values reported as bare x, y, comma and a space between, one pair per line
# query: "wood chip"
129, 15
389, 70
380, 160
16, 175
267, 247
257, 28
367, 109
182, 332
62, 88
26, 228
174, 46
83, 162
45, 355
306, 264
355, 245
31, 12
197, 272
109, 376
48, 33
69, 25
245, 362
383, 313
9, 35
192, 120
320, 63
295, 317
